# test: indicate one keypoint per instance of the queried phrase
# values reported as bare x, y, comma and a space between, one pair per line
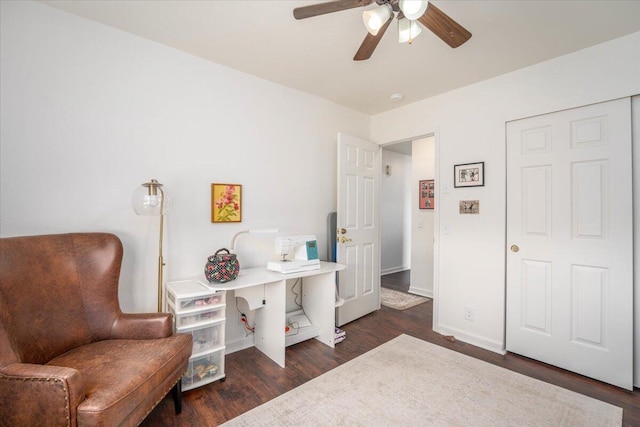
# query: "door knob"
342, 231
514, 248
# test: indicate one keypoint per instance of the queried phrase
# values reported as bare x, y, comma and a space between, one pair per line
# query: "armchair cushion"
68, 355
124, 376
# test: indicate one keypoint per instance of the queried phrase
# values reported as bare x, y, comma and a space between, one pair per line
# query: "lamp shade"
150, 199
413, 9
374, 19
407, 30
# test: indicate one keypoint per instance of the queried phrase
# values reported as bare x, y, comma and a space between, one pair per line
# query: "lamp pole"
160, 259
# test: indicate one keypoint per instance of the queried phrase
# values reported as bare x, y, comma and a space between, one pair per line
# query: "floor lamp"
150, 199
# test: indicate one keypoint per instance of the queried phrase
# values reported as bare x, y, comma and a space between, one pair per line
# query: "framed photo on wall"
468, 175
470, 207
226, 203
426, 194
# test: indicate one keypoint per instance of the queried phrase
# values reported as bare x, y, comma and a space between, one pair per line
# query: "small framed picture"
226, 203
426, 194
469, 207
468, 175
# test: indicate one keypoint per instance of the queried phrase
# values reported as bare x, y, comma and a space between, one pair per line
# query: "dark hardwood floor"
253, 379
399, 281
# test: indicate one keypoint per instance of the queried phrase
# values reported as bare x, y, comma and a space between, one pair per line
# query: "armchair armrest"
40, 394
142, 326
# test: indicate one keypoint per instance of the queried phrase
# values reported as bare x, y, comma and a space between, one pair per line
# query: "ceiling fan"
378, 19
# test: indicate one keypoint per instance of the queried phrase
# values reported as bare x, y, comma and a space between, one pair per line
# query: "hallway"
399, 281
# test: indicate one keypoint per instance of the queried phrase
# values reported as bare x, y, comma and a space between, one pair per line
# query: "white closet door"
570, 240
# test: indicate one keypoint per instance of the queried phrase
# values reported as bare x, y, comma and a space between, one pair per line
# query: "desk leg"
270, 322
318, 300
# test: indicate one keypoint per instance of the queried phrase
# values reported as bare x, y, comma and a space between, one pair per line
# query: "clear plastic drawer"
187, 304
191, 295
204, 369
197, 319
207, 337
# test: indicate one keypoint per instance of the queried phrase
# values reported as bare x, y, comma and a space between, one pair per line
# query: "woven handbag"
222, 267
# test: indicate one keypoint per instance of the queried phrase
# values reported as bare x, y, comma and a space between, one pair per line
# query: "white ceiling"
314, 55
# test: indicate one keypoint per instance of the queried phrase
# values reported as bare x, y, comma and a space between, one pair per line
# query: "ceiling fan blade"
328, 7
444, 27
370, 42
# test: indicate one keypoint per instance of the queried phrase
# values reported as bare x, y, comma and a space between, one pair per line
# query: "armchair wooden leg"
177, 396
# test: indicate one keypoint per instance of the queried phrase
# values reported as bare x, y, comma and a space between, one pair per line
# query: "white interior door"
358, 227
569, 238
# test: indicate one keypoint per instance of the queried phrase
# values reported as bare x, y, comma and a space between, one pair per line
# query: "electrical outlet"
468, 314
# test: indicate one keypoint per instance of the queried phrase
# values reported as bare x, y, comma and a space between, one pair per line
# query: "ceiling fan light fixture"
374, 19
407, 30
413, 9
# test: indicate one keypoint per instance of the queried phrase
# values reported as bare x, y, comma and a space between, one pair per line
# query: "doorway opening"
407, 231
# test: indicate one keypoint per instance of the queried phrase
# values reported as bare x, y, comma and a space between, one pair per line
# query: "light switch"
446, 228
420, 223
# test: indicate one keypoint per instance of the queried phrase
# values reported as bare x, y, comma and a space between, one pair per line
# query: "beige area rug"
399, 300
409, 382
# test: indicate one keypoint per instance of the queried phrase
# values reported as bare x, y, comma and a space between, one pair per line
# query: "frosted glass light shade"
413, 9
374, 19
150, 199
407, 30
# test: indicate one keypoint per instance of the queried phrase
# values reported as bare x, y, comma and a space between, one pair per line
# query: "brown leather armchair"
68, 354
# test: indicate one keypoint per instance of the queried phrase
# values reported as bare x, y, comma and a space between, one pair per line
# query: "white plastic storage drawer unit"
200, 311
204, 369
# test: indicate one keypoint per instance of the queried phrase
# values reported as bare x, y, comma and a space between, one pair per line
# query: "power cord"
296, 294
293, 325
245, 322
248, 329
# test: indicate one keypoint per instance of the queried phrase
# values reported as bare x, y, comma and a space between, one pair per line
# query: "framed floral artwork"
226, 203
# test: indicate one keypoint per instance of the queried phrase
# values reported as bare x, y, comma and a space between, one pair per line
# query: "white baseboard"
478, 341
392, 270
422, 292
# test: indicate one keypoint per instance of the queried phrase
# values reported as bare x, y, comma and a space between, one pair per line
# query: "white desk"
265, 291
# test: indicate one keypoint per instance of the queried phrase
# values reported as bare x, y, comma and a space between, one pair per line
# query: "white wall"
90, 112
395, 213
422, 223
469, 124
